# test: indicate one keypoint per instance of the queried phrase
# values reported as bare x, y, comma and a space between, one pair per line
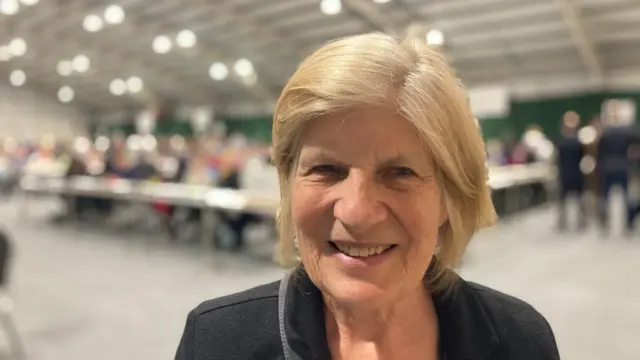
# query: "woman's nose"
359, 205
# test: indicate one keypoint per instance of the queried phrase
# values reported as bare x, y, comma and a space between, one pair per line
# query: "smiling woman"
364, 181
383, 183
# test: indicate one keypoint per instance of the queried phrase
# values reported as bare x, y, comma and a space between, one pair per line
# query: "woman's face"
366, 206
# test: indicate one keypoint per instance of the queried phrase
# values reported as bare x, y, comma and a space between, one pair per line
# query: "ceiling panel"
486, 40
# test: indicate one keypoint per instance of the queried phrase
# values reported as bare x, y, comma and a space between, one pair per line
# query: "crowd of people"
593, 160
533, 146
209, 160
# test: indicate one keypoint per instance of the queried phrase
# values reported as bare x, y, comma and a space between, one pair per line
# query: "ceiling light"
17, 47
162, 44
118, 87
64, 68
114, 14
66, 94
243, 68
9, 7
435, 37
134, 84
331, 7
186, 39
5, 54
218, 71
381, 1
92, 23
81, 63
30, 2
17, 78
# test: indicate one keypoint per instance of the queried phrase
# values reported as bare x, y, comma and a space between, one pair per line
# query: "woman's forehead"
375, 133
361, 122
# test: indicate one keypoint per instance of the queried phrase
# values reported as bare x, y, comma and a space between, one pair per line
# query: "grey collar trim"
289, 354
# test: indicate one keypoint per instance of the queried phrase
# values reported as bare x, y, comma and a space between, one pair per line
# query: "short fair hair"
416, 80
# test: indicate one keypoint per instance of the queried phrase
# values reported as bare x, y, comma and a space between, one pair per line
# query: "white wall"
489, 101
28, 116
568, 84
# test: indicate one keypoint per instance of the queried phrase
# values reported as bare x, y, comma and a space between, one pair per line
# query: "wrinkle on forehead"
400, 141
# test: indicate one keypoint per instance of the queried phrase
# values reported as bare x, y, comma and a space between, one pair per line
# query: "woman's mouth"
360, 251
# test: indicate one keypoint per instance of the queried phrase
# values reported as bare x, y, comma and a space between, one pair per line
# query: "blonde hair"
374, 69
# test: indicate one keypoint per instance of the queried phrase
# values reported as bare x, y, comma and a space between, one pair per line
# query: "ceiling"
486, 40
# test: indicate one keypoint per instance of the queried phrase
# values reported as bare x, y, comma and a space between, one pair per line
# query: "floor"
84, 294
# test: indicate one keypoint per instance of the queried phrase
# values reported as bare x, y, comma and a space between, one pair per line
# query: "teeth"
361, 252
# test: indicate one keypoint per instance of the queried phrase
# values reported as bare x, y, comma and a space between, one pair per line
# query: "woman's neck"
405, 329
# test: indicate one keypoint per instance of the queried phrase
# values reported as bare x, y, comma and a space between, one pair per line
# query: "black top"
570, 154
284, 320
613, 148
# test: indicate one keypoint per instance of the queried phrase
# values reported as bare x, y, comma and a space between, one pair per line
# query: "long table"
507, 183
514, 188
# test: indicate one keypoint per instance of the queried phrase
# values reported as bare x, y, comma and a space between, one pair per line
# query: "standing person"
237, 222
591, 150
570, 177
614, 165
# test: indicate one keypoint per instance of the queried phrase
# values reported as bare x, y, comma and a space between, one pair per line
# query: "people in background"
206, 160
613, 166
591, 139
570, 178
236, 222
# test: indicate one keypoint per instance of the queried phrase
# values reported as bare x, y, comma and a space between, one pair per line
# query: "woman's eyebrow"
395, 161
315, 156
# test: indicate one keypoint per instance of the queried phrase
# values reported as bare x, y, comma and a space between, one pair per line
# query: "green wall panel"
170, 128
258, 128
167, 128
495, 128
547, 113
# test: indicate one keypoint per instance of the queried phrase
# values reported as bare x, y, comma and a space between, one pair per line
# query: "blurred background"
135, 177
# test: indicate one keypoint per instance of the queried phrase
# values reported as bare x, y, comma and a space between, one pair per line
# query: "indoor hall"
83, 294
142, 173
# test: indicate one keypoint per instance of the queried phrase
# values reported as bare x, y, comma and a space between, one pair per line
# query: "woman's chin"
358, 292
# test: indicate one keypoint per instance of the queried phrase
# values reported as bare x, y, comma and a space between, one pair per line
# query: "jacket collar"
466, 330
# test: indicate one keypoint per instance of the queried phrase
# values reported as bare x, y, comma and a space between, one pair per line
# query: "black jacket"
570, 154
284, 320
613, 149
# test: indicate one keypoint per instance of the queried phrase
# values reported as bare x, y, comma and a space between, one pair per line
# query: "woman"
383, 183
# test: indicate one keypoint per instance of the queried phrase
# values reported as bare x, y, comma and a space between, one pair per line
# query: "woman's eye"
328, 171
402, 172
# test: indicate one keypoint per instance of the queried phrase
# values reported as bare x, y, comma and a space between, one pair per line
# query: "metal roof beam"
228, 10
160, 74
257, 89
367, 10
582, 41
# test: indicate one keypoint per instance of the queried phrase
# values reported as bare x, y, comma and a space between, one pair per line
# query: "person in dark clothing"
614, 165
378, 204
286, 320
570, 177
237, 222
77, 205
592, 178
